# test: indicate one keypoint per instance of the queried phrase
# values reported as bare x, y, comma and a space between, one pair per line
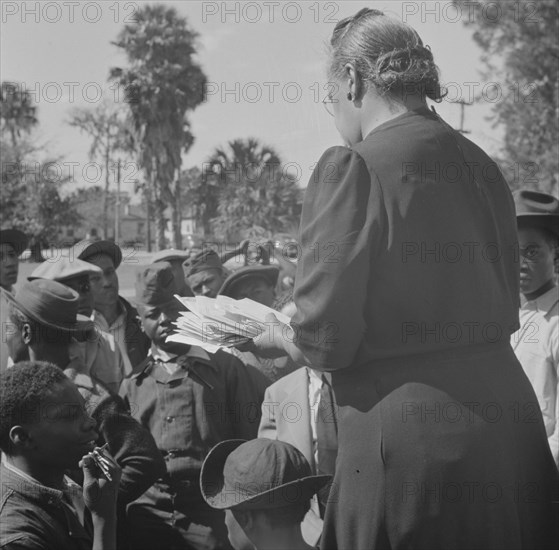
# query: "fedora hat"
14, 237
169, 255
270, 273
90, 247
64, 269
257, 474
50, 304
538, 209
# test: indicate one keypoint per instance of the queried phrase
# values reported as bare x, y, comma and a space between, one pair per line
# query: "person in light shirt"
112, 313
536, 344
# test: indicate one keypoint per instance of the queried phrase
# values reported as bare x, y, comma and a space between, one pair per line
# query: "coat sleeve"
245, 391
131, 445
341, 226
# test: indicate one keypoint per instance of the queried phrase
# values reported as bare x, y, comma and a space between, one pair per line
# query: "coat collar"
153, 368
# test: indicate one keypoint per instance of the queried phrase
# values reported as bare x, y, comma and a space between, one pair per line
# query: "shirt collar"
313, 374
161, 355
26, 485
98, 318
542, 303
195, 351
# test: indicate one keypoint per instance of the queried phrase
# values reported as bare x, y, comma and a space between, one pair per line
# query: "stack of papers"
214, 323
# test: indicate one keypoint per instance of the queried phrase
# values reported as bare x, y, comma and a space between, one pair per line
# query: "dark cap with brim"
256, 475
14, 237
52, 305
86, 249
537, 209
206, 259
269, 273
155, 284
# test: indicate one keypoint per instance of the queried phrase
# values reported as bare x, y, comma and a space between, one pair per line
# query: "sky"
265, 63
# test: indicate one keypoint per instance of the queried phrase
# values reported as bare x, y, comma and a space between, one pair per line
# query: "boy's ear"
27, 333
19, 437
139, 309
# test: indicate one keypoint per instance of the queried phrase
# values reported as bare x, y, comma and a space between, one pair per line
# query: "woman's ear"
354, 81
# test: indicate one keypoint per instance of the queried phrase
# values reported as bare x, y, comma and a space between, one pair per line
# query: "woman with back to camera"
407, 292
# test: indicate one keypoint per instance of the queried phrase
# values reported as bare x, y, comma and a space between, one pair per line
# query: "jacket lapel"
296, 414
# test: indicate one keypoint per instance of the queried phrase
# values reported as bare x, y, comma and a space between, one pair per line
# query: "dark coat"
137, 343
407, 289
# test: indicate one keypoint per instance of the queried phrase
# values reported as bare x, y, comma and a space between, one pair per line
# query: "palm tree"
162, 84
17, 112
256, 197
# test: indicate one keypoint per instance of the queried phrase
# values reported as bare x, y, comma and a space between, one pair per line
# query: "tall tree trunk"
148, 222
36, 253
159, 207
176, 210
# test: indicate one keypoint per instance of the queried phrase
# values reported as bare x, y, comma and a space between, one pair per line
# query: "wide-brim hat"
257, 474
90, 247
270, 273
16, 238
51, 304
539, 209
170, 255
63, 269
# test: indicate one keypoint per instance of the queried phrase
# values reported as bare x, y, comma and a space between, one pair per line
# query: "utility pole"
117, 204
463, 104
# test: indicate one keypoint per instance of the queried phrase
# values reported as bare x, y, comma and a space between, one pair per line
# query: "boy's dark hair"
23, 388
285, 516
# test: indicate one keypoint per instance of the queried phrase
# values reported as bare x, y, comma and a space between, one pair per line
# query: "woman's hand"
100, 492
270, 342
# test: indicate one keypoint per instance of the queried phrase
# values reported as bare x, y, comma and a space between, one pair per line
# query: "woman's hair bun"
406, 69
387, 53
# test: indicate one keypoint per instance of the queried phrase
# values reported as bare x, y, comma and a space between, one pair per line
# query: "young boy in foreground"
44, 431
265, 487
189, 400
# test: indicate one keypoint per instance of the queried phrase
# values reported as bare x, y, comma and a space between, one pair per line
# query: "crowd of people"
412, 402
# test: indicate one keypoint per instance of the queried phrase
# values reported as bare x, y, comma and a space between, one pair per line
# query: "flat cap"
16, 238
63, 269
90, 247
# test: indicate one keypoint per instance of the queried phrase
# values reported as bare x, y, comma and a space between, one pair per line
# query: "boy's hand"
100, 493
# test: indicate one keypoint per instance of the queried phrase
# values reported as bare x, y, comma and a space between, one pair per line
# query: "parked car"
192, 241
287, 245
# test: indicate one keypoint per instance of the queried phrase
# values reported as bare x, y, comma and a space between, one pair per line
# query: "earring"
349, 96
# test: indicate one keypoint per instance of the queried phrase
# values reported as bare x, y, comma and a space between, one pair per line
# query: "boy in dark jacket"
190, 400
